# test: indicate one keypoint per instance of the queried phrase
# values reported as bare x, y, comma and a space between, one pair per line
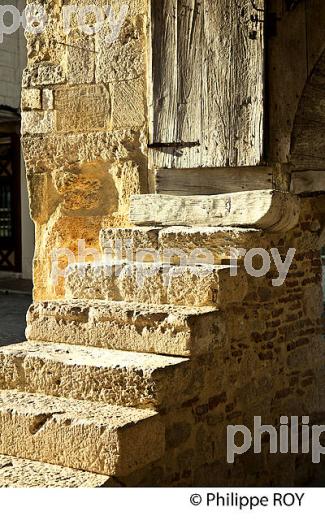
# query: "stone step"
113, 377
159, 329
156, 283
100, 438
262, 209
23, 473
179, 244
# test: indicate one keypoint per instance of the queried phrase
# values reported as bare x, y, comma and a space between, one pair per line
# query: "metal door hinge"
179, 144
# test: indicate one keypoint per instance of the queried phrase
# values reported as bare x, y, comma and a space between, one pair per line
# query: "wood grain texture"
308, 182
308, 137
163, 106
218, 92
213, 181
264, 209
292, 53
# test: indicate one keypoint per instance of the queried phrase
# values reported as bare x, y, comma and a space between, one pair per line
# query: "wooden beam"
308, 182
212, 181
264, 209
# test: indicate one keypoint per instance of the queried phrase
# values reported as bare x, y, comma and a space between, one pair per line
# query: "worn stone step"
179, 244
100, 438
160, 329
263, 209
113, 377
156, 283
23, 473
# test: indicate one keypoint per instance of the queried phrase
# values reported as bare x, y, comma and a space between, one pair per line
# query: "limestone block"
82, 188
206, 285
94, 281
159, 329
136, 7
42, 196
23, 473
207, 244
156, 283
57, 150
31, 99
112, 377
104, 439
81, 61
82, 108
43, 73
129, 110
127, 181
176, 244
263, 209
196, 286
40, 122
126, 243
124, 59
47, 99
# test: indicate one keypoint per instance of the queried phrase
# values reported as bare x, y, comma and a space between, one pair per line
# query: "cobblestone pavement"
13, 308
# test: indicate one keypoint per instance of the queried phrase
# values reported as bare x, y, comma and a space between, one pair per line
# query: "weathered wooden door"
10, 201
207, 76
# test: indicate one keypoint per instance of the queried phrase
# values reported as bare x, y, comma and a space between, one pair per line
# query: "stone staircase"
85, 401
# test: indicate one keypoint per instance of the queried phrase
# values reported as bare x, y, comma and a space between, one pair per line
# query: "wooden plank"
233, 70
212, 181
217, 98
263, 209
163, 109
308, 182
184, 91
189, 77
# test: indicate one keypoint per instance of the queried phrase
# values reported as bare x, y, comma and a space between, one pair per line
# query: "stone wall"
84, 126
85, 135
12, 62
269, 362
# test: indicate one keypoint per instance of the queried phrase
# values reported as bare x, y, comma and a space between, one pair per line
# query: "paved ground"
13, 308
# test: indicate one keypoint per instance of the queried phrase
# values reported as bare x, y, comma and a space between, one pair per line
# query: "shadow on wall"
13, 309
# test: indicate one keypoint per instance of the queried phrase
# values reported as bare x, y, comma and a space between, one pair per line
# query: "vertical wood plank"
234, 71
189, 77
164, 71
216, 79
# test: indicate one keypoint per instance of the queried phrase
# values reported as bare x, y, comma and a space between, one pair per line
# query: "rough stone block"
123, 59
37, 122
109, 376
82, 108
43, 73
104, 439
125, 243
195, 244
22, 473
47, 99
129, 109
156, 283
81, 61
159, 329
31, 99
210, 244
